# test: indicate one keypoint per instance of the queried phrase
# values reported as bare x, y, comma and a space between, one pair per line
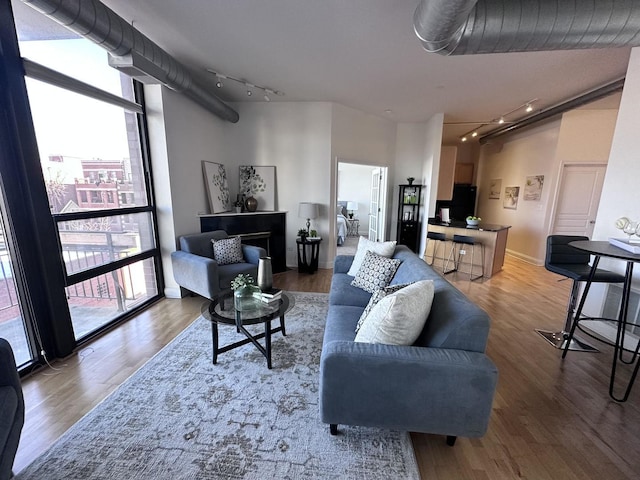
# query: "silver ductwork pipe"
466, 27
95, 21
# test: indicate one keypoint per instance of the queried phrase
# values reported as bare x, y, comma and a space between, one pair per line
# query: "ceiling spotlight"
474, 134
463, 139
501, 121
528, 108
249, 93
266, 98
219, 83
250, 87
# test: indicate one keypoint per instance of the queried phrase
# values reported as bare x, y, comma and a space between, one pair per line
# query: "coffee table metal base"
264, 349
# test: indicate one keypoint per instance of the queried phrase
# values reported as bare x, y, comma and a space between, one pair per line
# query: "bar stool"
438, 238
459, 243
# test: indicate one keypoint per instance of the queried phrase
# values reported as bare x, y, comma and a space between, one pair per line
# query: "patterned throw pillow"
376, 272
399, 318
365, 245
227, 250
376, 297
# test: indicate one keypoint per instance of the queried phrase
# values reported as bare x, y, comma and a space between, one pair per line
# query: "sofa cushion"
375, 298
342, 293
398, 318
365, 245
227, 250
376, 272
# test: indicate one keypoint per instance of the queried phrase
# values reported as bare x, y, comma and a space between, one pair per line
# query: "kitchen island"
493, 237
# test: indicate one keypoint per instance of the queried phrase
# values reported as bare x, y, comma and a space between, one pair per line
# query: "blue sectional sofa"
443, 384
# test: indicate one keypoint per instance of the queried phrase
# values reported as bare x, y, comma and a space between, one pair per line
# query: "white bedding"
342, 228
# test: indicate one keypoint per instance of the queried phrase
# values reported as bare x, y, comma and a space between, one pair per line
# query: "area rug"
181, 417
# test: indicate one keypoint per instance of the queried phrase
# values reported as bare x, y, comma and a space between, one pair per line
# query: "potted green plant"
313, 233
303, 234
243, 292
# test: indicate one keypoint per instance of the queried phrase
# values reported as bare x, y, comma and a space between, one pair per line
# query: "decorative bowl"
473, 223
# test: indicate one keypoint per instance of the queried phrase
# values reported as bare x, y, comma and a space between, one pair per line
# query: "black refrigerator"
462, 204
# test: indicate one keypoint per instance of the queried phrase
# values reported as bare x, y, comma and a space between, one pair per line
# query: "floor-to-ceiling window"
89, 128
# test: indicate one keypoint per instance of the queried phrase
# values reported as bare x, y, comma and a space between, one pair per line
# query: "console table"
604, 249
263, 229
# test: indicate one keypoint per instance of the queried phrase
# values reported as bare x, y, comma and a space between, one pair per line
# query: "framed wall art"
495, 186
533, 187
215, 180
511, 197
259, 183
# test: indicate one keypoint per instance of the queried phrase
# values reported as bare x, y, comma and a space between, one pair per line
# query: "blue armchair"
195, 269
11, 409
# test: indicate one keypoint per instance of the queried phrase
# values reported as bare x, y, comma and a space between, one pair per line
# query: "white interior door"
374, 207
578, 199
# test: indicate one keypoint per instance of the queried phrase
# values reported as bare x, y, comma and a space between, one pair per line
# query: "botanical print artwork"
511, 197
494, 188
260, 183
533, 187
215, 178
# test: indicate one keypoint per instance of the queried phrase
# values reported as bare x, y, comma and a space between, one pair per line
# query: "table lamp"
308, 210
353, 207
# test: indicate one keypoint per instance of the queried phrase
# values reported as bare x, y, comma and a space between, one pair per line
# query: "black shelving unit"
409, 204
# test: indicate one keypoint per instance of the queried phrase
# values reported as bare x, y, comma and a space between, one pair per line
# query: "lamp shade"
352, 206
307, 210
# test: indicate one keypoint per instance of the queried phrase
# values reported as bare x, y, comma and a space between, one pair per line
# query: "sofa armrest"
195, 273
342, 263
441, 391
252, 253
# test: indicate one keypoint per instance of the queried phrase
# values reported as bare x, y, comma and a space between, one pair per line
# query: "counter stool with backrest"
439, 239
570, 262
460, 242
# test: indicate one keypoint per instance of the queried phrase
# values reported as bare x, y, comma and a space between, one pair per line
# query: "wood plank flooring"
552, 419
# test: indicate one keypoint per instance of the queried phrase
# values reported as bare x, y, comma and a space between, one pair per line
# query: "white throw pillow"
376, 297
398, 318
385, 249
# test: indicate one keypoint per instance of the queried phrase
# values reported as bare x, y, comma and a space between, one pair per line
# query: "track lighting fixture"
250, 87
501, 120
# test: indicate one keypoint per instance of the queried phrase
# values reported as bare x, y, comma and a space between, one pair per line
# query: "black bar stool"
438, 238
563, 259
459, 243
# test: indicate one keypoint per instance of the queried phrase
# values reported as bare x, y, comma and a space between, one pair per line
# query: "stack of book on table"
268, 296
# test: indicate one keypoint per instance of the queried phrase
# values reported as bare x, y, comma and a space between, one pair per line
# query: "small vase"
251, 204
243, 298
265, 276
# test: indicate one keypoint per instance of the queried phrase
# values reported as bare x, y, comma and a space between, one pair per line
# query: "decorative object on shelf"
243, 290
410, 180
239, 204
303, 234
352, 207
473, 221
215, 180
251, 203
259, 183
265, 275
313, 233
308, 210
629, 227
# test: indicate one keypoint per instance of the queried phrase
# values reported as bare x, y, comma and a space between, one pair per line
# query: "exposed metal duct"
95, 21
464, 27
550, 112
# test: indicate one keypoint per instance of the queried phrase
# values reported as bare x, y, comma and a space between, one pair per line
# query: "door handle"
592, 221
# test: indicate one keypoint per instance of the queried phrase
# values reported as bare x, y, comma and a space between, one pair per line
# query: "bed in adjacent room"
342, 226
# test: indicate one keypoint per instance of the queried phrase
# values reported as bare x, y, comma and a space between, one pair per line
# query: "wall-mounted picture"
533, 187
215, 180
511, 197
495, 187
259, 183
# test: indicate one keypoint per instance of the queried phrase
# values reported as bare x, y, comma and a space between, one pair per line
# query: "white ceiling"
362, 54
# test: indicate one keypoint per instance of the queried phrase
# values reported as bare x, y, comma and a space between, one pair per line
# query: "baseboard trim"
525, 258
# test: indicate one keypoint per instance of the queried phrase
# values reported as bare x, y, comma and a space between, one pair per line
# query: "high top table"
604, 249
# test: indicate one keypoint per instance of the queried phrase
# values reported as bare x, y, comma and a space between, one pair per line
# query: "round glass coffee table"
222, 311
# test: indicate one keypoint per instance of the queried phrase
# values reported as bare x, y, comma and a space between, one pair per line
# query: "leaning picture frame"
217, 186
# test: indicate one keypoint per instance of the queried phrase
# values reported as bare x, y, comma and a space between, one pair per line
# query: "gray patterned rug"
181, 417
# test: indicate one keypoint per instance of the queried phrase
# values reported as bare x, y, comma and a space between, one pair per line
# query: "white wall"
181, 135
580, 136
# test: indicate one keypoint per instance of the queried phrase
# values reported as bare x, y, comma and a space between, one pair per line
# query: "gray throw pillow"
376, 272
227, 250
398, 319
376, 297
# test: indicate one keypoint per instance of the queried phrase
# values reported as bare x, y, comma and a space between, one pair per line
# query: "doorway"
363, 188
